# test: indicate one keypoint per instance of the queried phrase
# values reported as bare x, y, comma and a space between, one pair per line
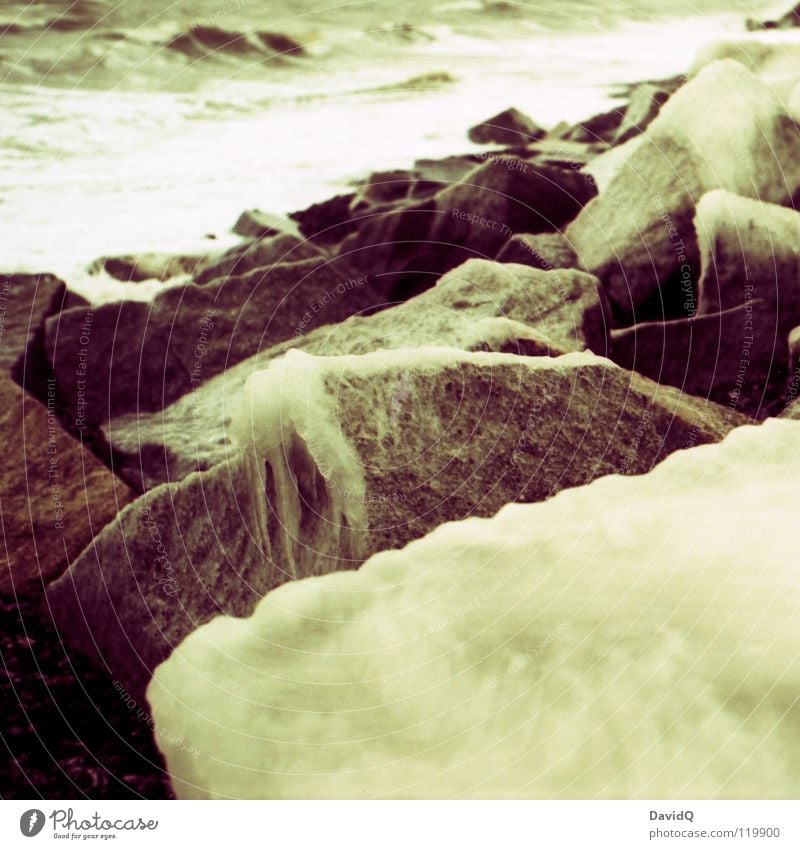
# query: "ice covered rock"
777, 63
131, 355
55, 494
479, 306
510, 127
724, 129
634, 638
345, 456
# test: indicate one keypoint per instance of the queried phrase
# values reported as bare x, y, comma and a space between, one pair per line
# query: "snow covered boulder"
478, 306
777, 63
345, 456
724, 129
634, 638
749, 250
132, 355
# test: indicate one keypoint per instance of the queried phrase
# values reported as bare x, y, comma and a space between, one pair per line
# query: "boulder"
631, 639
735, 357
510, 127
478, 306
600, 128
131, 355
415, 243
777, 63
723, 129
545, 251
327, 222
149, 266
55, 494
261, 253
26, 300
256, 224
749, 250
345, 456
787, 21
645, 103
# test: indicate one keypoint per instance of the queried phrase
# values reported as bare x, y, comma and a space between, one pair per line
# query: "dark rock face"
262, 253
472, 219
55, 494
26, 300
478, 306
353, 455
638, 234
733, 357
510, 127
327, 222
131, 355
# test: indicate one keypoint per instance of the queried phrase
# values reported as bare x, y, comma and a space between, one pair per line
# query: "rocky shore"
526, 333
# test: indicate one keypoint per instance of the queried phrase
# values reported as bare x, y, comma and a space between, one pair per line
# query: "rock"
56, 495
168, 563
328, 222
510, 127
26, 300
545, 251
474, 219
478, 306
598, 128
749, 250
645, 104
735, 357
259, 254
131, 355
255, 224
346, 456
723, 129
787, 21
387, 187
450, 169
523, 656
777, 63
148, 266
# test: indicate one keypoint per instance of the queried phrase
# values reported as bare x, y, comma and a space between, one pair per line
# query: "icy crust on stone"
312, 476
634, 638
